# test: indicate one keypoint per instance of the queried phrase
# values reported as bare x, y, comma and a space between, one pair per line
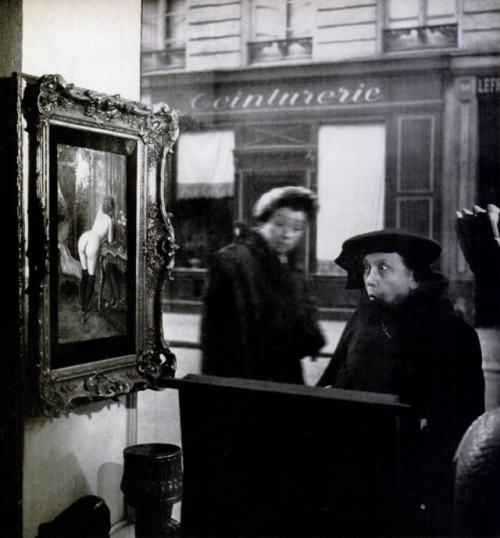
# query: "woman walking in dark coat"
258, 320
406, 339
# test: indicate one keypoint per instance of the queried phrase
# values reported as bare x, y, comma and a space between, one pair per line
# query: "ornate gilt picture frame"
96, 243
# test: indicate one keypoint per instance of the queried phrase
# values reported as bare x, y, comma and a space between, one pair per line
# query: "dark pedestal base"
155, 522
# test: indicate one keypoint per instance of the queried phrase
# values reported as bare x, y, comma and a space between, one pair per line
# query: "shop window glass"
205, 195
351, 189
281, 29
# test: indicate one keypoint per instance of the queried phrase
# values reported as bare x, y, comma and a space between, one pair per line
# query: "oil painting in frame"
98, 242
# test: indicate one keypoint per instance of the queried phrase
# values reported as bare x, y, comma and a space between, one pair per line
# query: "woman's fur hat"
296, 198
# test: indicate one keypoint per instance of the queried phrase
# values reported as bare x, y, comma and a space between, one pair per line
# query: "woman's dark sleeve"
339, 356
220, 329
310, 336
313, 337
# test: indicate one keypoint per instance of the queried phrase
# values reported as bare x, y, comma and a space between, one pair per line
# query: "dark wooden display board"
264, 459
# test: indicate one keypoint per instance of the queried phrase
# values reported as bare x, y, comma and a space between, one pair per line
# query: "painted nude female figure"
89, 246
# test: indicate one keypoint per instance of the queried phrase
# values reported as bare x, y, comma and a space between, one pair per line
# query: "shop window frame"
428, 33
168, 54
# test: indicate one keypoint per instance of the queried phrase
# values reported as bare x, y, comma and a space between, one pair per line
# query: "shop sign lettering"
488, 85
280, 98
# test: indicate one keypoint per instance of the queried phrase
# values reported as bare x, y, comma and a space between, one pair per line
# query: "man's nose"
288, 231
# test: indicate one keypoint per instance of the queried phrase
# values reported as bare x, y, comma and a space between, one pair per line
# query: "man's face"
387, 278
284, 229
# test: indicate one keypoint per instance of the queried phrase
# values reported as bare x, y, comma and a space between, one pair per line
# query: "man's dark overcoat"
258, 320
422, 351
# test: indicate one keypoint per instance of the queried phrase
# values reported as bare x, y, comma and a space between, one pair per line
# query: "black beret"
418, 251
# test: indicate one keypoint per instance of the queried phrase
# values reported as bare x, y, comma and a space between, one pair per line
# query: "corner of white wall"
94, 44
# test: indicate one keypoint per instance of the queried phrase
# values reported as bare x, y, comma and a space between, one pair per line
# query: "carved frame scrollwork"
152, 131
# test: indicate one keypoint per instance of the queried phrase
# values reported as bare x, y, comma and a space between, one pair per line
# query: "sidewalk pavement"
185, 329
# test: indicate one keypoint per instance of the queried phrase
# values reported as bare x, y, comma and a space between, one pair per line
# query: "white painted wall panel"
215, 61
347, 33
347, 16
442, 8
481, 21
344, 51
214, 3
215, 29
205, 46
337, 4
215, 13
471, 6
486, 40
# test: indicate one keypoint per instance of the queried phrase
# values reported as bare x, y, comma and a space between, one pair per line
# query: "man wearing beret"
406, 339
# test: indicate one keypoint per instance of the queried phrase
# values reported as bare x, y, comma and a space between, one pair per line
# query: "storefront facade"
388, 141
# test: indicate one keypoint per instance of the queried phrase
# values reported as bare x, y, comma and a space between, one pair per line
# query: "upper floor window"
281, 29
164, 31
420, 24
176, 32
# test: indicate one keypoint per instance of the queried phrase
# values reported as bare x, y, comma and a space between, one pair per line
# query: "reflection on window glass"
164, 34
420, 24
175, 27
269, 20
403, 9
281, 30
441, 8
281, 19
410, 13
300, 21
